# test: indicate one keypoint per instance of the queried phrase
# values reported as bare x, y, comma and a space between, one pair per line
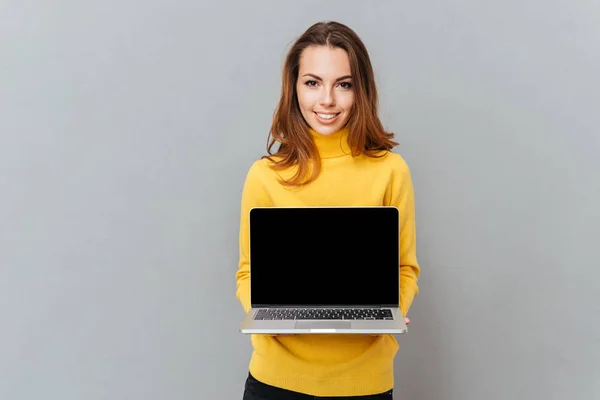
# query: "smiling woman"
328, 85
326, 99
332, 151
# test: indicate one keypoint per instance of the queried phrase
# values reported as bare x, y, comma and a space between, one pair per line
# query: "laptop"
316, 270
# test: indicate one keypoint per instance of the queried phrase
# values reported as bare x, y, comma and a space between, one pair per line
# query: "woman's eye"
343, 85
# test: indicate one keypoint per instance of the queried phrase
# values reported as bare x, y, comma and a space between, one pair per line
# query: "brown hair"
366, 133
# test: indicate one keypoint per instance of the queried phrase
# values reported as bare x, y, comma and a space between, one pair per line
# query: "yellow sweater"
332, 365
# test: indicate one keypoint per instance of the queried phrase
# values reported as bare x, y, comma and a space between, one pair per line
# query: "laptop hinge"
321, 306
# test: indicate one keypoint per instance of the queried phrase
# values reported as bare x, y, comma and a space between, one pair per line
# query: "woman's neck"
332, 145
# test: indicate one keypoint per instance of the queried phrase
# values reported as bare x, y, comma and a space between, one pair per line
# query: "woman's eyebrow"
341, 78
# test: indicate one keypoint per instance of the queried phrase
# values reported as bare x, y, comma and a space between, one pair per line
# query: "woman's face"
324, 87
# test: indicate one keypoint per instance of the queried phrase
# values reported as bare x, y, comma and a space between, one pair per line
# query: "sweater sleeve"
254, 194
402, 196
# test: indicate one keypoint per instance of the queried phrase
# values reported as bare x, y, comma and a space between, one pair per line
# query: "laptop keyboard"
323, 313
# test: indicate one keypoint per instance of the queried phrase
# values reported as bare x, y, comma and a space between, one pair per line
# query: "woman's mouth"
327, 118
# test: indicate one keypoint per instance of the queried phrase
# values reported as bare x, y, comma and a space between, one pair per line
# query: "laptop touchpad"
323, 324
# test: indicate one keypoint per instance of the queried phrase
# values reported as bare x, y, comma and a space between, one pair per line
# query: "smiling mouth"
327, 116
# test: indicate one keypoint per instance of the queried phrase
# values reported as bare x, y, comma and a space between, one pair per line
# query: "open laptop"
324, 270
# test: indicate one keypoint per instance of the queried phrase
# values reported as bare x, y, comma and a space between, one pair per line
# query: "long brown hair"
290, 130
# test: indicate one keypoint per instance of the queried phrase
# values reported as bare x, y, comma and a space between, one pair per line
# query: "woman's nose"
327, 99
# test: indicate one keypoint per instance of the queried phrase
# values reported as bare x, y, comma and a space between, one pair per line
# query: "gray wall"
127, 127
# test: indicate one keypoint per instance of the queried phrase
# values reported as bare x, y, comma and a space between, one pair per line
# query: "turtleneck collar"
333, 145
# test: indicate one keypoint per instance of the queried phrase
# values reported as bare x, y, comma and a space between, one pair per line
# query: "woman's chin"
325, 129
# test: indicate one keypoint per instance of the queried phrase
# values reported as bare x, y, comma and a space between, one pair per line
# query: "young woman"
332, 151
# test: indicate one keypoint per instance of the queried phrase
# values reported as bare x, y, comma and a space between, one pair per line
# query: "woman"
332, 150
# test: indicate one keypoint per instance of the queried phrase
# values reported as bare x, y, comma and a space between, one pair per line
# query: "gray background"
126, 130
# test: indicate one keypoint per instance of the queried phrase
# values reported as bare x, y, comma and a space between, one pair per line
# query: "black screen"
324, 256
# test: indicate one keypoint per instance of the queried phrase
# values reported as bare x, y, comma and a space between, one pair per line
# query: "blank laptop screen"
315, 256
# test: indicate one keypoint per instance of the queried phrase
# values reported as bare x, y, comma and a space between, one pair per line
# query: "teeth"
326, 116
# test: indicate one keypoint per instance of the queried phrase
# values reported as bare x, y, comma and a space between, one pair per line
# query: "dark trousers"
255, 390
